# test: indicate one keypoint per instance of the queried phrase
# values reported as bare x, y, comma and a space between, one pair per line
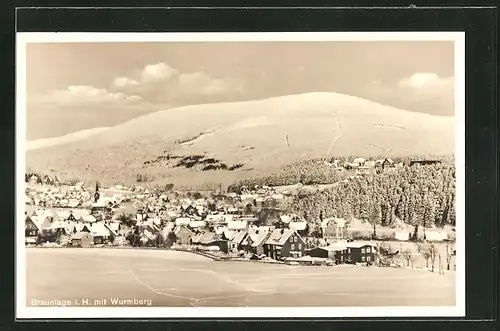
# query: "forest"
318, 171
416, 195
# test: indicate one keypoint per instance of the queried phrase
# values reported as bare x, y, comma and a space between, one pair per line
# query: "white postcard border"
25, 312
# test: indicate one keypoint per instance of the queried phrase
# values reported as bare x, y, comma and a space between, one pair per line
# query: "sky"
78, 86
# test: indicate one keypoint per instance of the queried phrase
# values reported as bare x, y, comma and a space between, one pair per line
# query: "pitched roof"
208, 237
259, 238
238, 238
88, 218
279, 236
236, 225
299, 226
229, 235
197, 224
180, 228
339, 221
359, 244
77, 213
182, 221
99, 229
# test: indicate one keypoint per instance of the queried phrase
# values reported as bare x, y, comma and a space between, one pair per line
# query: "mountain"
186, 144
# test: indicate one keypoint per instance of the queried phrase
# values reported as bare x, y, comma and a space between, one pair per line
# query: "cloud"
424, 82
422, 92
86, 94
157, 72
162, 83
123, 82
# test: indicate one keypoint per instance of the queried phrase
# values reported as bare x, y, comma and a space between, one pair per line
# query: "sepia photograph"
240, 174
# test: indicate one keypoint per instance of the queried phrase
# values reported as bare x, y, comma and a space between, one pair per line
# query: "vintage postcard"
234, 175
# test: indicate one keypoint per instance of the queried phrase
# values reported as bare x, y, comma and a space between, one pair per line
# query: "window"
300, 246
362, 250
291, 239
341, 258
368, 249
348, 250
293, 246
363, 258
368, 259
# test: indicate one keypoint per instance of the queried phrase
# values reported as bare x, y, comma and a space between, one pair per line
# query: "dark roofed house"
31, 231
388, 164
284, 243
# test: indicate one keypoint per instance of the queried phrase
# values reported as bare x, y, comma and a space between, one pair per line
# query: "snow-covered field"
178, 279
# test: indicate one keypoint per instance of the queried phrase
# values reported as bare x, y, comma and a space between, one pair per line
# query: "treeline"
418, 196
319, 171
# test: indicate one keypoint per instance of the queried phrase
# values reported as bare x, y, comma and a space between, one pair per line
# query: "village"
250, 225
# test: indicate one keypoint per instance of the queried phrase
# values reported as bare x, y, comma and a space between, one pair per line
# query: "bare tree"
427, 255
432, 255
449, 254
407, 254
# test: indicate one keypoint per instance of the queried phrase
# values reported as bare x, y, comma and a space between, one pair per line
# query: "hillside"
415, 196
72, 137
224, 142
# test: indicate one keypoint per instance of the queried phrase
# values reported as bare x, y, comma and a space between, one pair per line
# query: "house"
237, 242
284, 243
335, 252
212, 239
100, 233
88, 219
31, 231
333, 228
147, 238
82, 239
77, 214
256, 240
360, 253
183, 235
350, 166
63, 215
359, 162
44, 224
388, 164
189, 209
